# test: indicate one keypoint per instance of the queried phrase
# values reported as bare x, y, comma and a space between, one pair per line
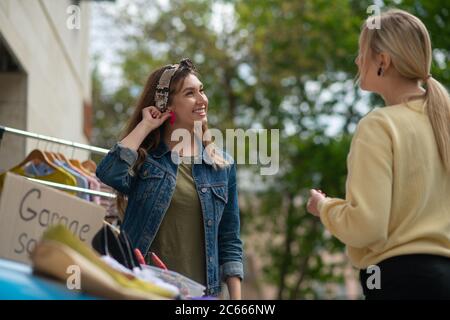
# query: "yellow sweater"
397, 191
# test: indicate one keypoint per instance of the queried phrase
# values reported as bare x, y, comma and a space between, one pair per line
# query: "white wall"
13, 113
55, 60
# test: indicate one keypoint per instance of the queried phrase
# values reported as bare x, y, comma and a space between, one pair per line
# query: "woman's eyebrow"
192, 88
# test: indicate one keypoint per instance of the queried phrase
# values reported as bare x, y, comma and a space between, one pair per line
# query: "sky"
105, 41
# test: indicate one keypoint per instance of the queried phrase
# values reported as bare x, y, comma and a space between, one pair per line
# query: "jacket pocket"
150, 179
220, 198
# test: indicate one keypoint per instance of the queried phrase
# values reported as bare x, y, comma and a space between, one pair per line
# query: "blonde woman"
396, 213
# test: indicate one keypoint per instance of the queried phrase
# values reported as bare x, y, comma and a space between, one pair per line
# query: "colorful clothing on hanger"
110, 204
82, 182
94, 185
56, 175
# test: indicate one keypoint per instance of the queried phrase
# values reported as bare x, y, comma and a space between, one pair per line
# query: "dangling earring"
172, 118
380, 71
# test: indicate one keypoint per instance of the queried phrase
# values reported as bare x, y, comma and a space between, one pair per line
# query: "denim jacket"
150, 191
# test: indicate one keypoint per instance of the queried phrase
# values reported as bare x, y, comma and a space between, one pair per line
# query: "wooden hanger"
57, 156
78, 165
63, 158
36, 156
89, 165
50, 156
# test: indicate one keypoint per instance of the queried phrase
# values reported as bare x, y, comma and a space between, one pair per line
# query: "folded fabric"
59, 249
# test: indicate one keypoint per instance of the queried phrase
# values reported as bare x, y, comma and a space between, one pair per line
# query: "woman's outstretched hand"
313, 201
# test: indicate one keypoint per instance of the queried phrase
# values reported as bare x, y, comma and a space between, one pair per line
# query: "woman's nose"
201, 98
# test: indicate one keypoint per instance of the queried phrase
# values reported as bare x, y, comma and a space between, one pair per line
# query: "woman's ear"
384, 60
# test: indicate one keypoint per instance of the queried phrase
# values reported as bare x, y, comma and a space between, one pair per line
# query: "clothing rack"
71, 188
51, 139
62, 142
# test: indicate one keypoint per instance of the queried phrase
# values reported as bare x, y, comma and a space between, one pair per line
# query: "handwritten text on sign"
27, 209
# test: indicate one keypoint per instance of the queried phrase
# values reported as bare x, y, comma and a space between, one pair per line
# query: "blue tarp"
18, 282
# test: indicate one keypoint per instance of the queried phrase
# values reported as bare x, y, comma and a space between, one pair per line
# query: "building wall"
13, 113
54, 62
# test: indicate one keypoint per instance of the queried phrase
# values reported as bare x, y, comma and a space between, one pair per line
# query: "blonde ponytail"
438, 109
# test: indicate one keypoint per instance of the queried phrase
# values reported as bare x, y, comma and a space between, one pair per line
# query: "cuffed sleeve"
230, 244
127, 155
115, 169
321, 203
362, 219
232, 269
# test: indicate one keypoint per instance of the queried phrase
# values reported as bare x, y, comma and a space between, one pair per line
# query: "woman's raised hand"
153, 118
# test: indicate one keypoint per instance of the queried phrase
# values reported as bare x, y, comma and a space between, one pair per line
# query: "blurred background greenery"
283, 64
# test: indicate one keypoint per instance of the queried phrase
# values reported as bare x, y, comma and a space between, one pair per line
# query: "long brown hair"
407, 41
153, 139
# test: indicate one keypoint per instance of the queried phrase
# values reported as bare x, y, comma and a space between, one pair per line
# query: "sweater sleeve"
362, 218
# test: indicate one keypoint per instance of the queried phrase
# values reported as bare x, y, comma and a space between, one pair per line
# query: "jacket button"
204, 190
145, 173
210, 222
211, 259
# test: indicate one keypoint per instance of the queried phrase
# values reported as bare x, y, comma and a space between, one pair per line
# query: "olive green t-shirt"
180, 240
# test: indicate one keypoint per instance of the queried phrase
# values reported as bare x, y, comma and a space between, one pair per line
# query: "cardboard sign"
28, 208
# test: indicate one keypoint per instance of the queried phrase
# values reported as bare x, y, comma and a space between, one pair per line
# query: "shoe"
59, 249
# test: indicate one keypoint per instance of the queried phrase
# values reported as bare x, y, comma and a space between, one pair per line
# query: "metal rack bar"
72, 188
52, 139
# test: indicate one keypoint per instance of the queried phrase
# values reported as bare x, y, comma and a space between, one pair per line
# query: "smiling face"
190, 103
